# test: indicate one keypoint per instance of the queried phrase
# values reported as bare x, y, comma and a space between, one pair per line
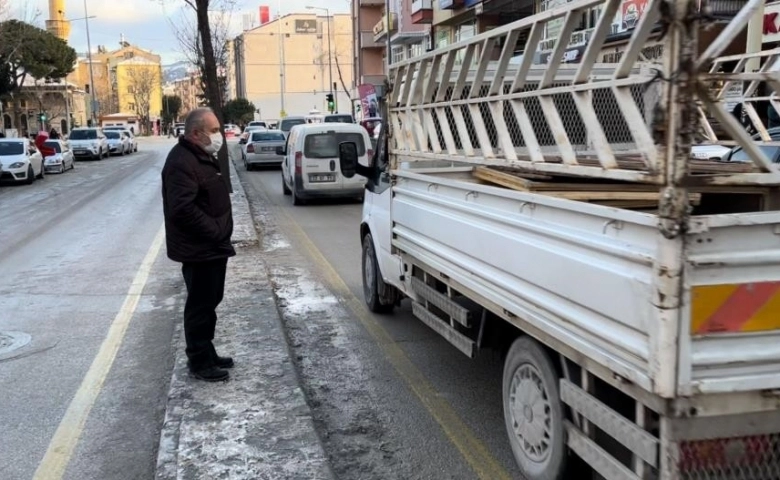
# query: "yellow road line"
470, 447
65, 439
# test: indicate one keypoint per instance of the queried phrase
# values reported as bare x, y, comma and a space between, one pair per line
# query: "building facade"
124, 80
62, 103
190, 91
287, 66
408, 24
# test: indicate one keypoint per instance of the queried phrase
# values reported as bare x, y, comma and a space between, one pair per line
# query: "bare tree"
144, 81
207, 45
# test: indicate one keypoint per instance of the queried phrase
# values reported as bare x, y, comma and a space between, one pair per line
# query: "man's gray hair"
196, 120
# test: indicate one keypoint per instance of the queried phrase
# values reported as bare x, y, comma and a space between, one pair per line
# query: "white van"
310, 168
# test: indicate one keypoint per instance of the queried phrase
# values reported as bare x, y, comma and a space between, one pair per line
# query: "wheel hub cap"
530, 410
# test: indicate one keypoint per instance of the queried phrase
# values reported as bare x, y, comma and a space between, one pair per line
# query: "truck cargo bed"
601, 280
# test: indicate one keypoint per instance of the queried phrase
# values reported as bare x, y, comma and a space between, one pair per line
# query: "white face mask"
216, 143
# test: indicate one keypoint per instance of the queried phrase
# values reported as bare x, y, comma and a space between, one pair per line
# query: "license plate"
322, 178
267, 149
79, 152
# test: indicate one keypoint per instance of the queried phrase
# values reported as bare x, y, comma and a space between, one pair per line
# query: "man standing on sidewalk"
198, 226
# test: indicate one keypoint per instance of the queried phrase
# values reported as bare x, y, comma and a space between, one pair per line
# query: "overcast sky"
146, 22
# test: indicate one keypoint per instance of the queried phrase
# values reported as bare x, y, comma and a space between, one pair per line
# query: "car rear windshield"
53, 145
11, 148
326, 145
287, 125
338, 119
83, 135
267, 137
113, 135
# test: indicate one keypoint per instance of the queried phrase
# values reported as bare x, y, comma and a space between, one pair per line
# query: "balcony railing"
367, 40
418, 5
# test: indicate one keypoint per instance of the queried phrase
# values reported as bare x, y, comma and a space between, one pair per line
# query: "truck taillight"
250, 148
298, 162
726, 455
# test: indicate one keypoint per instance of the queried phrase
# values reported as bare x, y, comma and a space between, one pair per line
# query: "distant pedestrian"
198, 226
53, 134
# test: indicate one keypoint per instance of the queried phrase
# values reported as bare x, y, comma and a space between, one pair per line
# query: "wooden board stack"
620, 195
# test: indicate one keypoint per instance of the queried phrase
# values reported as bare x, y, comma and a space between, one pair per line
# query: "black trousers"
205, 288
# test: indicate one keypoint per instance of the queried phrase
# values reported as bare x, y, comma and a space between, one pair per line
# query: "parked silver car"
61, 160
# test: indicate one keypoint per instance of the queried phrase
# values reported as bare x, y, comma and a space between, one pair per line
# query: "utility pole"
330, 55
282, 112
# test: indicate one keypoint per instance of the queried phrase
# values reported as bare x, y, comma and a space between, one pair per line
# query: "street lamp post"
89, 59
282, 79
330, 54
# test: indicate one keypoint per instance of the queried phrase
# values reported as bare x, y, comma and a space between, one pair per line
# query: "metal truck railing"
479, 102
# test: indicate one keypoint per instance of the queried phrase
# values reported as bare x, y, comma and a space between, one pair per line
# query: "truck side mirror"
348, 158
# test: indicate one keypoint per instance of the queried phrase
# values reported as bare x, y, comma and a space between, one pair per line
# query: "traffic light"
42, 117
331, 103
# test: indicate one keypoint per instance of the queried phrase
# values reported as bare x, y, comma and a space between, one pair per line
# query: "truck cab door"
377, 212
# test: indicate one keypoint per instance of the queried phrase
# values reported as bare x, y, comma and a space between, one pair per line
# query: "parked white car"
118, 142
62, 159
131, 140
88, 142
311, 161
21, 161
261, 148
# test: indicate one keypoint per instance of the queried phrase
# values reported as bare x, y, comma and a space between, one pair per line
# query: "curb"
244, 232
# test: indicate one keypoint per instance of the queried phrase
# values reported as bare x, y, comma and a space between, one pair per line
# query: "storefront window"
398, 54
464, 32
442, 37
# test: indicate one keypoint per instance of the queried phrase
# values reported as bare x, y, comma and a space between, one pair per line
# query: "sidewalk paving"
258, 424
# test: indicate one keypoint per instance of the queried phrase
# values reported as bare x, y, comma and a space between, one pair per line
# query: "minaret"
56, 24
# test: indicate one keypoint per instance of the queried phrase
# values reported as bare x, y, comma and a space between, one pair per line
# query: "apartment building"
120, 77
287, 66
190, 91
456, 20
409, 25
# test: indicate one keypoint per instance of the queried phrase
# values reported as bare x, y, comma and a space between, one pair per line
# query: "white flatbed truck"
644, 343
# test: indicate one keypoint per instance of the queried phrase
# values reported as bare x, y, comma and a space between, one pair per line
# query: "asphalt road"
71, 245
387, 383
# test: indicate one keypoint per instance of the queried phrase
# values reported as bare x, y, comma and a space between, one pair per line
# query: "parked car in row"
89, 142
118, 142
261, 147
311, 169
20, 160
58, 156
131, 136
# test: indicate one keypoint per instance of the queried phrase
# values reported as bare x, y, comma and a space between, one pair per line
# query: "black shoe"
211, 374
223, 362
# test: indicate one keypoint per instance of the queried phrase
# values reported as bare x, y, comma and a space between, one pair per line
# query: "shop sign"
652, 53
305, 26
771, 23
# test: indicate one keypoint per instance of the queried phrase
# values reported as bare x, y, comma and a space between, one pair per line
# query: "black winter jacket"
196, 205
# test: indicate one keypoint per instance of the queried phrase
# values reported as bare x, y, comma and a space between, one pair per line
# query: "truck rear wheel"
532, 411
372, 278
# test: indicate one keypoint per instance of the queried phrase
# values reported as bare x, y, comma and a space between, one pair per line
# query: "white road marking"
67, 436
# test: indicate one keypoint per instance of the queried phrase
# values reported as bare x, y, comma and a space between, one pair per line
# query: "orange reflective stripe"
735, 308
768, 318
705, 302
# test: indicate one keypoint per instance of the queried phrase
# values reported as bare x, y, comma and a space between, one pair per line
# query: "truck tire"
371, 278
285, 189
533, 413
